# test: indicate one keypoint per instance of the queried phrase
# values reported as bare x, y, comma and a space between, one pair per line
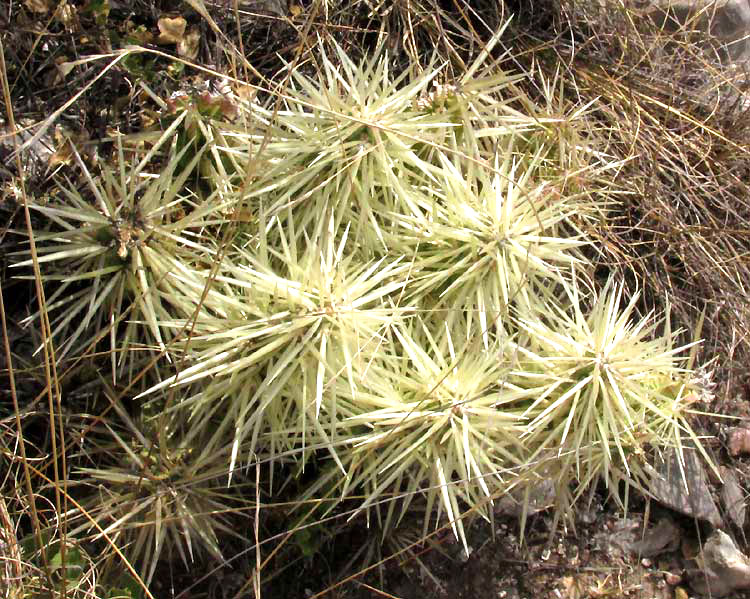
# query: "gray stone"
732, 497
662, 538
723, 568
690, 496
727, 20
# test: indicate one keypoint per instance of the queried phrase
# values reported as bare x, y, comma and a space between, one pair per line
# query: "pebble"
672, 579
739, 441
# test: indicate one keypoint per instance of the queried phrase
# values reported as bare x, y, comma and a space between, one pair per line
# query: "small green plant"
72, 569
123, 587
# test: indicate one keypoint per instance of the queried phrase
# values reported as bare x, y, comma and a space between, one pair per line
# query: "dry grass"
677, 118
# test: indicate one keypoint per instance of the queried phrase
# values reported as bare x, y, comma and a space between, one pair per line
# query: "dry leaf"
295, 10
188, 45
38, 6
171, 30
242, 215
571, 588
64, 141
64, 67
245, 93
63, 155
680, 593
67, 15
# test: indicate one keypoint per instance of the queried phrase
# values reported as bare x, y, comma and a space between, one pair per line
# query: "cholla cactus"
160, 494
111, 252
281, 325
434, 413
369, 311
401, 300
607, 389
358, 142
494, 236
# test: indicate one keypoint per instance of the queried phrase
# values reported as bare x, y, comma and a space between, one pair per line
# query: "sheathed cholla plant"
109, 252
202, 118
354, 141
433, 414
494, 236
350, 131
154, 495
477, 108
608, 388
279, 325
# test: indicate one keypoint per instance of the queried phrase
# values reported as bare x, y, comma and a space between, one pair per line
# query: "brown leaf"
571, 587
242, 215
67, 15
171, 30
244, 92
63, 149
63, 155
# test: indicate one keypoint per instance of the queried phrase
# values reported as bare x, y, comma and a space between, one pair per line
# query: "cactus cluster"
383, 279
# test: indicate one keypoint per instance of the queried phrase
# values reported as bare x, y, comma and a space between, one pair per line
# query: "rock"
732, 497
694, 499
617, 539
540, 498
738, 441
727, 20
724, 569
662, 538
